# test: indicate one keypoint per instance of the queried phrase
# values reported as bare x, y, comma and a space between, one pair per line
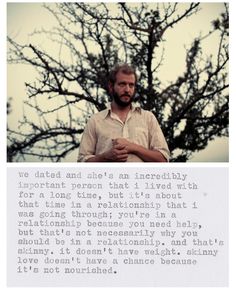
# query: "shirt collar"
134, 107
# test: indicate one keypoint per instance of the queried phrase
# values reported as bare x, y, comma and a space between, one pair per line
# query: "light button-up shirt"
140, 127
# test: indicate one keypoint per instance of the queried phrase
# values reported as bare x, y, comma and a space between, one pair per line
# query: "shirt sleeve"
157, 139
88, 142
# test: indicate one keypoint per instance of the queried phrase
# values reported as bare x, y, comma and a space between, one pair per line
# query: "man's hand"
118, 153
143, 153
122, 142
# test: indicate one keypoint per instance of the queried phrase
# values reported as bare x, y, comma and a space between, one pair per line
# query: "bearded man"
123, 132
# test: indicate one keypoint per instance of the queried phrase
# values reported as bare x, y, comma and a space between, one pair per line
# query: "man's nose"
127, 88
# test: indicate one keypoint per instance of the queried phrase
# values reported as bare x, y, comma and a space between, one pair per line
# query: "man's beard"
120, 102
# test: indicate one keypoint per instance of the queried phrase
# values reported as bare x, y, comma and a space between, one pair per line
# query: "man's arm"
145, 154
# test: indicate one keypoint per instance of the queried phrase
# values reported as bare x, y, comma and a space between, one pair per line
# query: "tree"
91, 38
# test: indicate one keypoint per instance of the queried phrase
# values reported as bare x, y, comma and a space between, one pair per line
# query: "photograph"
117, 82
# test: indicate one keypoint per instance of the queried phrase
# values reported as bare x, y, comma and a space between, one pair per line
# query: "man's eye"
124, 84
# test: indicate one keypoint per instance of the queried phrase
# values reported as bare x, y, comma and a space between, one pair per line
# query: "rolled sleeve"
157, 139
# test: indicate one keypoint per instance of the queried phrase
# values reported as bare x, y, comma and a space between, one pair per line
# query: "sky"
24, 18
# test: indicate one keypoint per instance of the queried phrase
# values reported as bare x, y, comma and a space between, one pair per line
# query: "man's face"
123, 89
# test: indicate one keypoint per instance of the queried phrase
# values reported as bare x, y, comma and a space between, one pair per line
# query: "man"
123, 132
